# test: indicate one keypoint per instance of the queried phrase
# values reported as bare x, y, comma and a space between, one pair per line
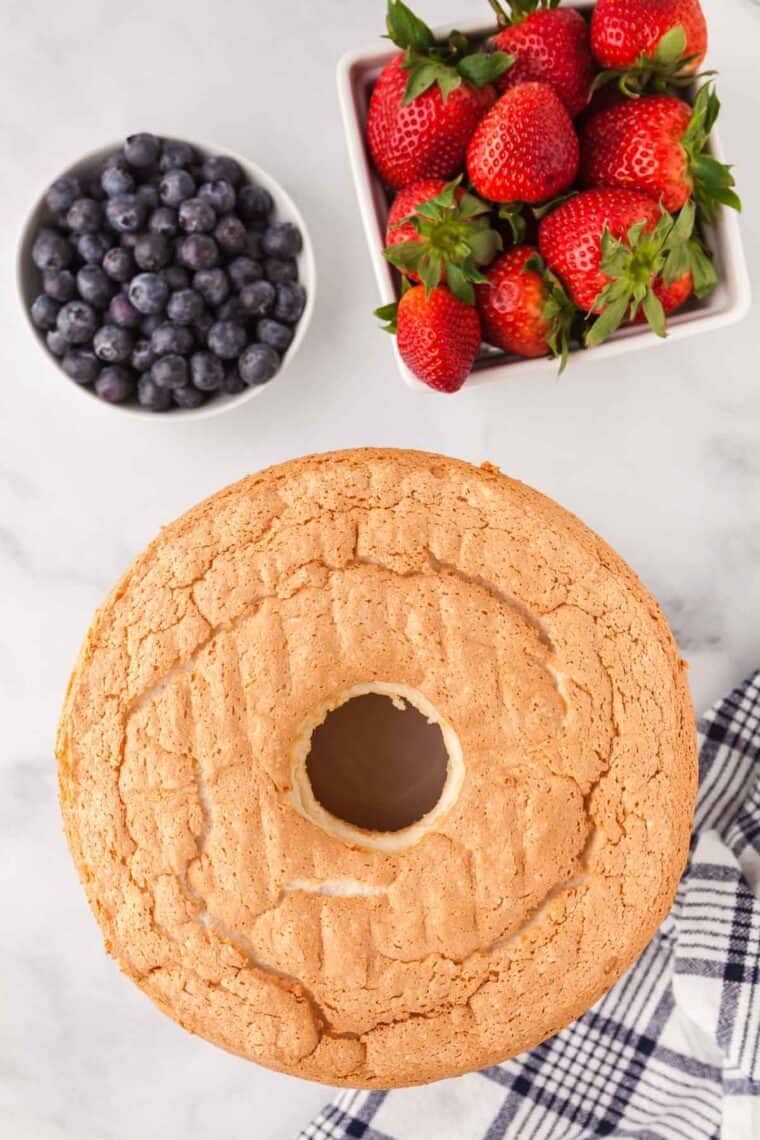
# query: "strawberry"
656, 144
438, 335
525, 149
549, 45
436, 232
523, 307
427, 102
620, 256
659, 42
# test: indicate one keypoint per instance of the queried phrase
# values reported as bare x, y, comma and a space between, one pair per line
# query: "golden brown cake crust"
532, 895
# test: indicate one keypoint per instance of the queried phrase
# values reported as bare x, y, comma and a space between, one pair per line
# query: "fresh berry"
427, 102
254, 202
152, 252
206, 371
142, 355
548, 45
126, 213
196, 216
84, 216
221, 166
149, 293
94, 286
281, 270
657, 144
117, 179
259, 298
51, 250
220, 195
202, 325
149, 324
231, 235
198, 251
148, 197
227, 339
525, 149
151, 396
113, 344
56, 342
175, 153
176, 186
187, 397
115, 384
63, 192
172, 340
92, 248
77, 321
122, 312
213, 286
170, 372
119, 264
45, 312
624, 31
258, 364
232, 310
274, 333
185, 306
291, 302
142, 149
164, 221
522, 309
243, 270
81, 365
438, 336
59, 284
233, 383
281, 239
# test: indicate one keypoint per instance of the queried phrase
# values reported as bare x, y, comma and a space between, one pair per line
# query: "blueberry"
77, 321
198, 251
115, 384
213, 285
258, 298
126, 213
84, 216
185, 306
274, 334
171, 340
149, 197
164, 221
152, 252
93, 188
220, 195
59, 284
62, 193
149, 395
170, 372
142, 355
243, 270
232, 310
119, 264
175, 186
282, 239
254, 202
94, 286
45, 311
122, 312
51, 250
253, 244
281, 270
129, 241
113, 344
149, 293
291, 302
176, 277
175, 153
220, 166
56, 342
206, 371
148, 325
258, 364
142, 149
187, 397
231, 235
227, 339
233, 383
203, 324
117, 179
196, 216
81, 365
92, 248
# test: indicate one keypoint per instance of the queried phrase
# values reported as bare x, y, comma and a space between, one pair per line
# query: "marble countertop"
658, 452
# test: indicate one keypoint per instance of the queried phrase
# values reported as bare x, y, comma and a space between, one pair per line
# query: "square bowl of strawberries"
547, 183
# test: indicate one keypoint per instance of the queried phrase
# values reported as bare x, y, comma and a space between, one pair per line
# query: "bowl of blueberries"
162, 276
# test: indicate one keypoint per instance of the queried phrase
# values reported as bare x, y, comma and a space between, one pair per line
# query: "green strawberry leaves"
388, 314
665, 253
713, 181
448, 65
666, 71
562, 316
454, 239
518, 10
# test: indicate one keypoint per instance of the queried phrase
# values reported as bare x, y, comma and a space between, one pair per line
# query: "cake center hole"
377, 763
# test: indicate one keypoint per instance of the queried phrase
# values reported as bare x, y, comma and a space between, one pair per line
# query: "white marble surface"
660, 454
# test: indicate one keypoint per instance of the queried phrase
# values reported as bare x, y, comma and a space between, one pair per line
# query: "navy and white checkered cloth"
673, 1051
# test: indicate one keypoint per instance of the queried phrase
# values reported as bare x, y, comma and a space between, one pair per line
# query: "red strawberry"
549, 46
660, 39
438, 232
523, 308
525, 149
427, 102
438, 336
619, 254
656, 144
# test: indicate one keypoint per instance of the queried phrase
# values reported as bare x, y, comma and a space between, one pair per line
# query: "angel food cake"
378, 768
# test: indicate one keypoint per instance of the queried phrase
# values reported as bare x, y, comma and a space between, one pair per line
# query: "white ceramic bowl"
29, 281
728, 303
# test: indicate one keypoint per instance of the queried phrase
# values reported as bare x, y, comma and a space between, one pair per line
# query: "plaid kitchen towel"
673, 1051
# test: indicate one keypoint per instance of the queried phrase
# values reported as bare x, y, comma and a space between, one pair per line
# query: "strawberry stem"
502, 19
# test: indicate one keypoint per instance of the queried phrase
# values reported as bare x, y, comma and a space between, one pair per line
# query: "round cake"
377, 768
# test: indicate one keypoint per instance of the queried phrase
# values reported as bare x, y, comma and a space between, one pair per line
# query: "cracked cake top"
505, 916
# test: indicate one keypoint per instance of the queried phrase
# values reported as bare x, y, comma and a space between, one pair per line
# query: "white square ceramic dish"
726, 305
